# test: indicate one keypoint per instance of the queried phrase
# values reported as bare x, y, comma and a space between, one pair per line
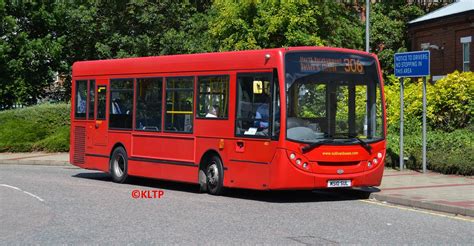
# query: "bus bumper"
285, 176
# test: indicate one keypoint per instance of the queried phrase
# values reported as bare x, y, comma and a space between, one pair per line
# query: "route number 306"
353, 66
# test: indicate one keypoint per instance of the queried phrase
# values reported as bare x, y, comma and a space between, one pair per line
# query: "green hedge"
450, 114
42, 127
449, 153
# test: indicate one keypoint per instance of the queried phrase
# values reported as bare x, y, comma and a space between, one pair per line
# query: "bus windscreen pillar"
412, 65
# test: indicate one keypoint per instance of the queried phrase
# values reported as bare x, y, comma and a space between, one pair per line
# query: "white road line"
401, 207
9, 186
26, 192
33, 195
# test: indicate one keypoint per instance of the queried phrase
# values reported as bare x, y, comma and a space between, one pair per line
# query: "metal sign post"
367, 25
402, 107
412, 64
424, 125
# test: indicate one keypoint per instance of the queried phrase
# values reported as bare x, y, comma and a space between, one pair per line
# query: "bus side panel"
163, 157
97, 163
180, 173
177, 148
248, 175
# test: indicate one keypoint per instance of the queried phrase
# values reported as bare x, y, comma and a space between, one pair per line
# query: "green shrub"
450, 102
56, 142
447, 152
35, 128
450, 109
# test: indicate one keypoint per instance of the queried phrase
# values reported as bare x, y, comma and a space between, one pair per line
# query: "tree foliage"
450, 103
388, 30
39, 40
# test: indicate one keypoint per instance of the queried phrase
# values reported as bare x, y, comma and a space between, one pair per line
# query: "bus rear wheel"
119, 165
214, 176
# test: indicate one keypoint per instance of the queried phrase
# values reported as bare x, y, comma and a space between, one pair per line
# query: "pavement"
432, 191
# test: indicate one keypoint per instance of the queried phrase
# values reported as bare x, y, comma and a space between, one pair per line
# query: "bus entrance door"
100, 124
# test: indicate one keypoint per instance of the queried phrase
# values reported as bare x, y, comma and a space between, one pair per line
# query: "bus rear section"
335, 124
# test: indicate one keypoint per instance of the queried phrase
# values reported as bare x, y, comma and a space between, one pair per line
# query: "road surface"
66, 205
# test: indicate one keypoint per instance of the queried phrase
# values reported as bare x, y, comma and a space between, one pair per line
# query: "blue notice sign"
412, 64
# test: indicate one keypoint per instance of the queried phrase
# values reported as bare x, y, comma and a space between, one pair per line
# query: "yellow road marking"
418, 210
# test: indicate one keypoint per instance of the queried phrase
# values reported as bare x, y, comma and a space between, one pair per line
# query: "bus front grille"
338, 163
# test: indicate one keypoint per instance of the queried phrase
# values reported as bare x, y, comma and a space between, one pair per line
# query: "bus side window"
179, 104
91, 99
121, 103
276, 106
253, 104
148, 96
101, 102
213, 97
81, 97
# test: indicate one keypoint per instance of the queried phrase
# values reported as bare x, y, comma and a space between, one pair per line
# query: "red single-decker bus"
285, 118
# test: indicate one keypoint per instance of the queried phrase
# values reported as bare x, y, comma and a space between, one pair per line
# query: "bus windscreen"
333, 97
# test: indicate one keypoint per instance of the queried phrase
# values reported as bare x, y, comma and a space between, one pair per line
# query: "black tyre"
119, 165
214, 176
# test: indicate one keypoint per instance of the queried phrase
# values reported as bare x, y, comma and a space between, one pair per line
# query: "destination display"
331, 65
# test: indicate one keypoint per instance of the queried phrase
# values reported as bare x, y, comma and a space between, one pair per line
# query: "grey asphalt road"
66, 205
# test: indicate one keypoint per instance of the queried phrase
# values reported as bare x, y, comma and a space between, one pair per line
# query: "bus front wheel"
214, 176
119, 165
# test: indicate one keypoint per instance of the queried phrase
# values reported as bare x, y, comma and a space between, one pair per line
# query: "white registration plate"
339, 183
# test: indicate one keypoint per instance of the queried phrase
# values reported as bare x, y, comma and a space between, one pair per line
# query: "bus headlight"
298, 160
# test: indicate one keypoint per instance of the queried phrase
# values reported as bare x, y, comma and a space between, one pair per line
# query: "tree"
29, 51
388, 29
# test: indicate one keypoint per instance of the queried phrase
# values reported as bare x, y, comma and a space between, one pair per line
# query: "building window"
81, 99
466, 42
121, 103
213, 99
149, 101
253, 105
179, 104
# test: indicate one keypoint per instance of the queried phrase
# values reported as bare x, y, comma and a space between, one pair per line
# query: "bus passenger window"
81, 97
121, 103
91, 99
253, 104
276, 106
101, 101
213, 99
179, 104
149, 94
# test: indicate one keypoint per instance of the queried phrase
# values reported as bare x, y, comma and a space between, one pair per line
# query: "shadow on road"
293, 196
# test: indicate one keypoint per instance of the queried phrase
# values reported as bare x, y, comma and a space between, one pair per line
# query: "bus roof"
217, 61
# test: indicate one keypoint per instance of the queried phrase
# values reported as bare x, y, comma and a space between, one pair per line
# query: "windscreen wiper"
363, 144
311, 146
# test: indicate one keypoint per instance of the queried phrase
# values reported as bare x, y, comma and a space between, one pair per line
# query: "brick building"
448, 33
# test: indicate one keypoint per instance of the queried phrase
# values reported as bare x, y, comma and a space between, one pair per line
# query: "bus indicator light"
221, 144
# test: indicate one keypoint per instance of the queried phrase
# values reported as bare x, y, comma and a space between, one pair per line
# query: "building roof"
459, 6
